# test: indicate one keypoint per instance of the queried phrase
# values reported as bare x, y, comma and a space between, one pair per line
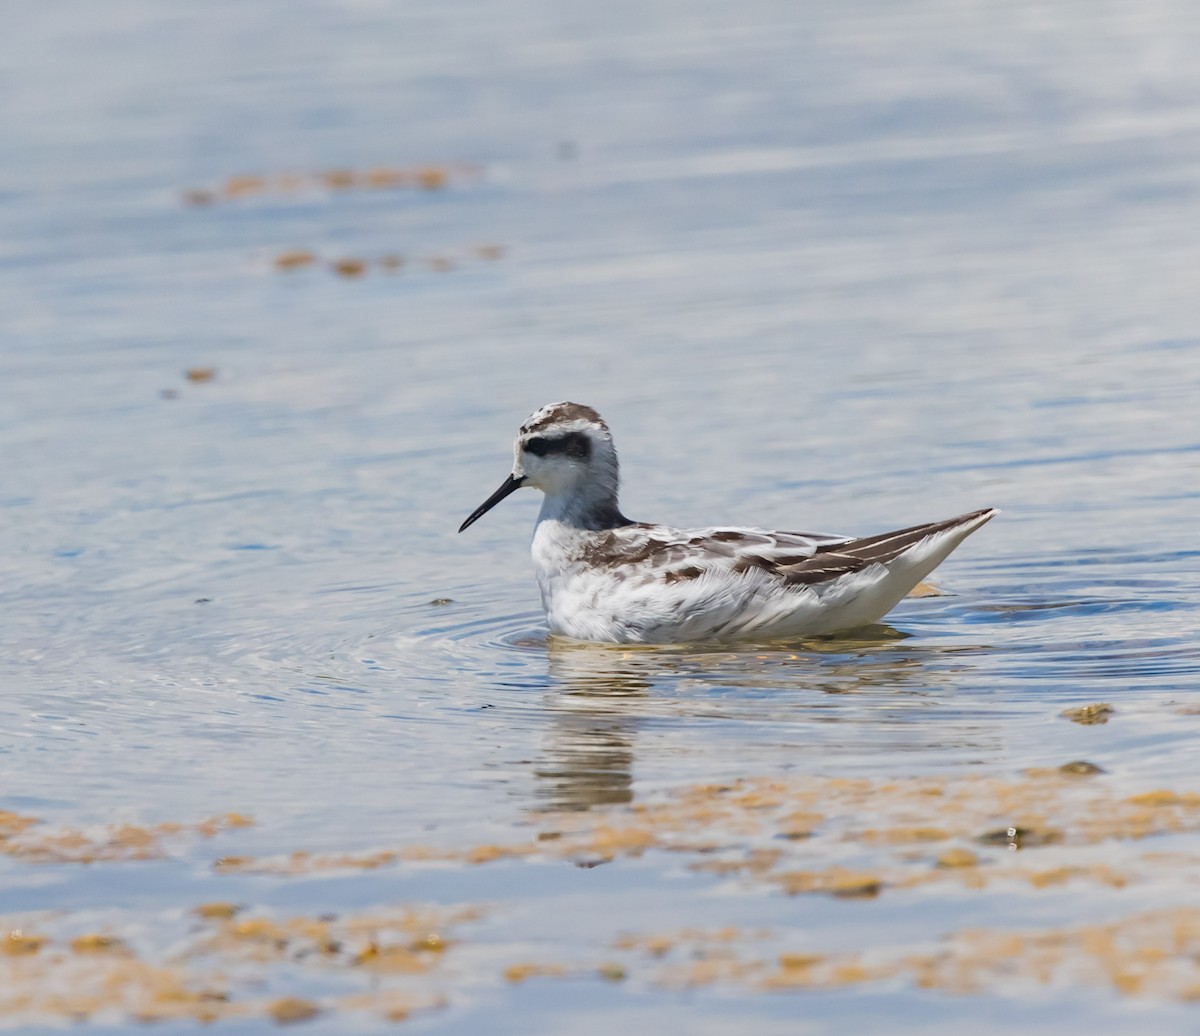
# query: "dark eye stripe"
573, 444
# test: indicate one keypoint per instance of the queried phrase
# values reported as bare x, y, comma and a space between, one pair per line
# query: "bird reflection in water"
589, 759
601, 694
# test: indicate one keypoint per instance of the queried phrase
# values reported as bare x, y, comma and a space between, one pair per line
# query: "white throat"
587, 504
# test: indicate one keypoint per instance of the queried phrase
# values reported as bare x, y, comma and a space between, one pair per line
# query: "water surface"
834, 269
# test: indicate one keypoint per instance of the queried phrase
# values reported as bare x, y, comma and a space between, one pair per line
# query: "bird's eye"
539, 447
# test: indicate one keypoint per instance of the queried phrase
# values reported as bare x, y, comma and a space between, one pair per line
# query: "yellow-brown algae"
489, 853
631, 841
1155, 954
957, 857
390, 264
903, 835
217, 911
295, 259
1163, 797
293, 1009
14, 823
1090, 715
1060, 875
349, 267
102, 979
757, 861
259, 930
794, 961
489, 252
610, 971
18, 941
390, 1005
522, 972
200, 374
36, 843
430, 942
339, 179
97, 942
1047, 807
800, 823
1080, 768
658, 946
388, 957
835, 881
382, 177
241, 186
431, 178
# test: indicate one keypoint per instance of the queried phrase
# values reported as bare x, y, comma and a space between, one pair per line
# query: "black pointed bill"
509, 485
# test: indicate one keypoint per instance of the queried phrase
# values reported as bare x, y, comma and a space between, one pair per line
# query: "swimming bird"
606, 578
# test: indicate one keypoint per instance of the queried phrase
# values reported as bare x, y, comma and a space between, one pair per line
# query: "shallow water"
837, 270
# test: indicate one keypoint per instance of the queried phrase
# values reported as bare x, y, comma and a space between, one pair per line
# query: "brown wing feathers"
838, 559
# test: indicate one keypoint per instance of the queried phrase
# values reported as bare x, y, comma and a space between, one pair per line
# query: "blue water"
838, 269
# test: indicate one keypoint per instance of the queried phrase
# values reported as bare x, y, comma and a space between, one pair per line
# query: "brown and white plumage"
606, 578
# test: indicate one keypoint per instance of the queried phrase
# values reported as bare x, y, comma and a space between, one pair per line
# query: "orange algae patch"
1090, 715
76, 987
215, 911
18, 941
432, 178
525, 970
794, 961
339, 179
428, 177
491, 853
756, 861
394, 957
1165, 798
383, 177
389, 263
33, 842
760, 829
295, 259
1155, 954
903, 835
958, 858
350, 267
1080, 768
835, 882
293, 1009
241, 186
1061, 875
655, 945
217, 969
391, 1006
98, 943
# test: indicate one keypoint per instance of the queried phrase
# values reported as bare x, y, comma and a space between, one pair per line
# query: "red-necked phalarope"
606, 578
